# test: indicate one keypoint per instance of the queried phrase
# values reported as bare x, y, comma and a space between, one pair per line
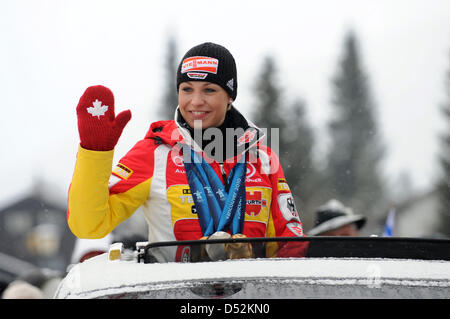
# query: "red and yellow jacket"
152, 175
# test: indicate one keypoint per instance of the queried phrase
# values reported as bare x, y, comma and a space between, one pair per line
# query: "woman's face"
203, 104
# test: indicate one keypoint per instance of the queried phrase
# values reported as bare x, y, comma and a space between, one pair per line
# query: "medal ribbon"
217, 209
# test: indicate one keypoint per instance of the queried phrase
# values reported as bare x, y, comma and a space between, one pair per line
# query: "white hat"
19, 289
333, 215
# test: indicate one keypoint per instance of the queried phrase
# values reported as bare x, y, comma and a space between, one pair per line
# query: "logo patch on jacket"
122, 171
287, 207
255, 202
283, 185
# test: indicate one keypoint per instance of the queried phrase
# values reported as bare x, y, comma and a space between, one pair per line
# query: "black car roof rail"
339, 247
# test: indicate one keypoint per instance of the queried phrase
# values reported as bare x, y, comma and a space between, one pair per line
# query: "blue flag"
389, 226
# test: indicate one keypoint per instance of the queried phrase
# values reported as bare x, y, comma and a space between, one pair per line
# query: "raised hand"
98, 126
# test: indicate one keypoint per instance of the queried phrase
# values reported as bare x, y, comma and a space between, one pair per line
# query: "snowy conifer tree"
170, 97
296, 138
268, 110
444, 182
356, 151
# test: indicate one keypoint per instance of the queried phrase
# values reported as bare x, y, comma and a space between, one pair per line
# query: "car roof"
99, 277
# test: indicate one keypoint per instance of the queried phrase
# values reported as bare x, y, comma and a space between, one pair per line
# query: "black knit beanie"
209, 62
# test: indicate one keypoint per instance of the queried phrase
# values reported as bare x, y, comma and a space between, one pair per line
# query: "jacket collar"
176, 131
246, 139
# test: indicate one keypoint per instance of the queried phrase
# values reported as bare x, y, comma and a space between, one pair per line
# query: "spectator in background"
19, 289
334, 219
39, 283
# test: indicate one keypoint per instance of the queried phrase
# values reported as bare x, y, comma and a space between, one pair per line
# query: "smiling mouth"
198, 115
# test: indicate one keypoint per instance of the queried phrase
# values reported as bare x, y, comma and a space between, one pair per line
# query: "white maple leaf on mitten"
98, 108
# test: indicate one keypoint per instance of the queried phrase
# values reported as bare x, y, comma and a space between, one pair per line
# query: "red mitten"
98, 127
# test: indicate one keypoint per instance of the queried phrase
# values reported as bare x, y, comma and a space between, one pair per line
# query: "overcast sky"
51, 51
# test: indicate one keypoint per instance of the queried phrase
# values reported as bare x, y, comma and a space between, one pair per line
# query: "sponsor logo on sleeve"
287, 207
283, 185
122, 171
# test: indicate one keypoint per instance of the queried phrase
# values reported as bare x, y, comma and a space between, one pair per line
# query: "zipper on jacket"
224, 176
